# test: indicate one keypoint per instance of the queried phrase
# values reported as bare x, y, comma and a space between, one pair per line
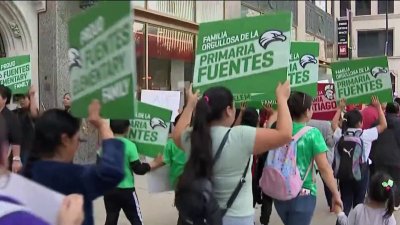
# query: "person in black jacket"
385, 151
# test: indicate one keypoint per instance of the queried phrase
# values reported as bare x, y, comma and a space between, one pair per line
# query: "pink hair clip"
206, 99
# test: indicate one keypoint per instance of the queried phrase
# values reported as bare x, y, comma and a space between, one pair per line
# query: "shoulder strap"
237, 189
301, 132
221, 146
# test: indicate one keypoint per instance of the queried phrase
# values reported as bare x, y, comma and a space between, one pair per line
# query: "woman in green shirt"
310, 147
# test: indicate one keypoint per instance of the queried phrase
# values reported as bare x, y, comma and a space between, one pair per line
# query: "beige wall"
377, 21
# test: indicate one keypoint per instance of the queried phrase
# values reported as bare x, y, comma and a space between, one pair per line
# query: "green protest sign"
246, 55
150, 129
15, 73
101, 60
357, 80
303, 67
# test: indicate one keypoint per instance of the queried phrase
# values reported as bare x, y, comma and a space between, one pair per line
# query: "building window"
382, 6
170, 58
322, 4
344, 6
363, 7
372, 43
180, 9
247, 12
207, 11
140, 41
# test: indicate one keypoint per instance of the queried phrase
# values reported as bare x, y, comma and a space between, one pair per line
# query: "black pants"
394, 172
353, 192
125, 199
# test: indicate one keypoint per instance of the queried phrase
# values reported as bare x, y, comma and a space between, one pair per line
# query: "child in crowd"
124, 196
353, 191
175, 158
379, 207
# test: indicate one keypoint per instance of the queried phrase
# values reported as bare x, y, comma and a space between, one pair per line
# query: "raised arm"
267, 139
109, 171
382, 125
336, 118
238, 120
34, 108
186, 117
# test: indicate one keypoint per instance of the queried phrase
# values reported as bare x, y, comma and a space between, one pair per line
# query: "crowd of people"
218, 156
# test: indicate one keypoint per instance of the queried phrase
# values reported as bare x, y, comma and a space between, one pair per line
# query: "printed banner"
150, 129
357, 80
324, 105
246, 55
101, 60
303, 67
343, 38
15, 73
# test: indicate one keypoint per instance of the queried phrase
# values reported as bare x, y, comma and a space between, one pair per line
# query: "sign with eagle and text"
150, 129
324, 105
357, 80
302, 74
246, 55
101, 60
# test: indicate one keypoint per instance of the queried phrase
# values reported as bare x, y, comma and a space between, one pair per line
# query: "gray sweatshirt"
364, 215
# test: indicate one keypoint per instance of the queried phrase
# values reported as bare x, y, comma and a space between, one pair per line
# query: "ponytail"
390, 204
208, 109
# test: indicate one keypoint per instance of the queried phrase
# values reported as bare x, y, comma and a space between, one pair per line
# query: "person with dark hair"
13, 126
27, 114
124, 195
55, 144
14, 212
175, 158
311, 148
385, 151
379, 207
67, 102
353, 191
214, 115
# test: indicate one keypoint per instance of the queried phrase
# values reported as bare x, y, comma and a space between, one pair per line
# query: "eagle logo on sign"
307, 59
157, 122
74, 59
376, 71
271, 36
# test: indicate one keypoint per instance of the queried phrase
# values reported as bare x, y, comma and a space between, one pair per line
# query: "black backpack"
197, 204
348, 163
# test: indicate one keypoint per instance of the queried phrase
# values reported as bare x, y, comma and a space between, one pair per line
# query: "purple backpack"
281, 178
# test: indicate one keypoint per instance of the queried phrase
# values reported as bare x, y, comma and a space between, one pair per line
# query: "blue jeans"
298, 211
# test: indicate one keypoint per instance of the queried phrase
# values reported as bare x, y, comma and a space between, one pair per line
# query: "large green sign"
15, 73
150, 129
101, 60
357, 80
247, 55
303, 67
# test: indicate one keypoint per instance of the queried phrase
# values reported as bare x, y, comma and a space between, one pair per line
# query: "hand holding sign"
375, 102
192, 97
95, 119
243, 106
342, 104
283, 91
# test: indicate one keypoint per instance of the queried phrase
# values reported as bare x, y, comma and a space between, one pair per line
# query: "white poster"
165, 99
158, 180
42, 201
